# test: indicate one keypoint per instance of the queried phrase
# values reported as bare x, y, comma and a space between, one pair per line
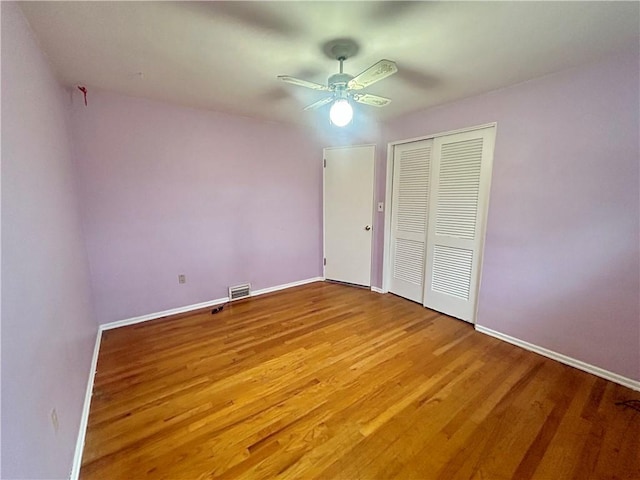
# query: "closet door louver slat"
459, 184
452, 271
409, 261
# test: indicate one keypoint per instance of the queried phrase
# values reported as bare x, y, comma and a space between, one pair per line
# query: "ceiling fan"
344, 87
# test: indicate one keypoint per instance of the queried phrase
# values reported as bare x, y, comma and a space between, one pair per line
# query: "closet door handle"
367, 228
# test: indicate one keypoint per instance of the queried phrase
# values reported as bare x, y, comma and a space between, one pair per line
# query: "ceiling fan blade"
319, 103
373, 100
373, 74
303, 83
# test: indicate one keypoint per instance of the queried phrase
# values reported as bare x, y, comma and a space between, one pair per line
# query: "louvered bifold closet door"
409, 211
461, 177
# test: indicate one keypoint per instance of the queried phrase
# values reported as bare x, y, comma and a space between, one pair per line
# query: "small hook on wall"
83, 89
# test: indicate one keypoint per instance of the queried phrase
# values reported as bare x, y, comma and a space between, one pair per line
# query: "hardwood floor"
335, 382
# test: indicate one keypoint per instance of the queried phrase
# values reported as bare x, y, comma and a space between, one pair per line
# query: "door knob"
367, 228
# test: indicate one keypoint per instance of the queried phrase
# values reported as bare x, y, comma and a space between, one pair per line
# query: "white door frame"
373, 226
386, 261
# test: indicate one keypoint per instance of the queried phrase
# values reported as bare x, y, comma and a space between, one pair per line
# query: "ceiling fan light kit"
344, 87
341, 112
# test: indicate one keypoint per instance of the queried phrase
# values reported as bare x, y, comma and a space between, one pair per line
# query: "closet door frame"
386, 262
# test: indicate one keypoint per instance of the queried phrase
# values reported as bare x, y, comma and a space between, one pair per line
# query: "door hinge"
324, 262
325, 163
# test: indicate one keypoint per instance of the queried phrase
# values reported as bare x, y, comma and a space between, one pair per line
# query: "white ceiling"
226, 55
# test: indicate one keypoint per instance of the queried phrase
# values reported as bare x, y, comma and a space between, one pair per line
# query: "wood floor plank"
334, 382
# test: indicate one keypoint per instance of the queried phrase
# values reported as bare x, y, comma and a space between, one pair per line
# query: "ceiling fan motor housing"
339, 80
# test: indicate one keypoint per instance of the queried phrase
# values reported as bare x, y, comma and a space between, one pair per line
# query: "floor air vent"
239, 291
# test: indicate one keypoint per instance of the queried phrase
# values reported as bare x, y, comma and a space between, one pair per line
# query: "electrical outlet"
54, 420
182, 279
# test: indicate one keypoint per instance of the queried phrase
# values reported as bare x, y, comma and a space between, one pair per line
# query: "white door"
409, 218
461, 176
348, 213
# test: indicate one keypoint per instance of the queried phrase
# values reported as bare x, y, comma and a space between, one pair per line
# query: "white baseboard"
262, 291
198, 306
165, 313
376, 289
84, 417
572, 362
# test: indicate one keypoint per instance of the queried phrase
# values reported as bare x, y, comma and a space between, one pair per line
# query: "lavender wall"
561, 253
48, 332
167, 190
